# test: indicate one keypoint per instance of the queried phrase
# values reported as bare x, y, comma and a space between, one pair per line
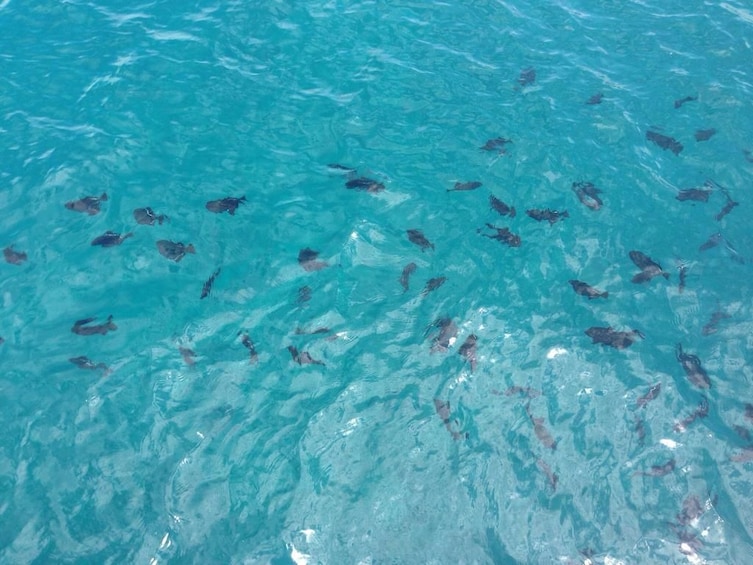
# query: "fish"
527, 76
680, 101
248, 344
188, 355
697, 194
207, 288
417, 237
468, 350
588, 195
339, 167
307, 260
500, 207
364, 184
665, 142
80, 327
540, 430
745, 455
691, 509
408, 270
743, 432
704, 134
550, 216
658, 470
587, 290
496, 144
726, 209
110, 239
612, 338
550, 475
716, 317
649, 268
595, 99
147, 217
83, 362
640, 429
303, 357
503, 235
88, 204
443, 410
448, 331
652, 393
749, 412
174, 251
701, 412
712, 241
683, 273
304, 294
319, 330
229, 204
459, 186
433, 284
693, 369
14, 257
2, 340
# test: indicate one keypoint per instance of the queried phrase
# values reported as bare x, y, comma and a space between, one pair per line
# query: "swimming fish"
500, 207
339, 167
716, 317
433, 284
207, 288
468, 350
693, 369
715, 240
188, 355
745, 455
550, 216
749, 412
595, 99
640, 429
443, 410
80, 327
307, 260
496, 144
527, 76
110, 239
649, 268
405, 276
652, 393
550, 475
147, 217
88, 204
504, 235
683, 273
84, 362
697, 194
364, 184
665, 142
691, 509
726, 209
303, 357
701, 412
304, 294
417, 237
704, 134
174, 251
248, 344
228, 204
587, 290
459, 186
658, 470
540, 430
588, 195
14, 257
612, 338
448, 331
680, 101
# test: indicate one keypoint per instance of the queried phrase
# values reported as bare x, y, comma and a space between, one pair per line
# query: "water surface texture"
317, 411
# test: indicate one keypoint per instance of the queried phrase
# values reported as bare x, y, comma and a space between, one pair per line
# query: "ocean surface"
310, 409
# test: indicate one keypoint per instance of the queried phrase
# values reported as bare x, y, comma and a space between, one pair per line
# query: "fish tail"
104, 196
242, 199
190, 248
605, 294
512, 212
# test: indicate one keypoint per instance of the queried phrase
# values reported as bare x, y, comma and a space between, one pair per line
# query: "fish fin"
104, 196
190, 248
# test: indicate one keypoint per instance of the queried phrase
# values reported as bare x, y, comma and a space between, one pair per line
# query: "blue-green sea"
310, 409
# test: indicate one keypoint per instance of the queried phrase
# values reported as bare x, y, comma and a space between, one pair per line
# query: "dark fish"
540, 430
745, 455
468, 350
88, 204
304, 294
704, 134
228, 204
459, 186
612, 338
174, 251
500, 207
496, 144
649, 268
14, 257
110, 239
320, 330
417, 237
680, 101
665, 142
587, 290
527, 76
550, 216
595, 99
726, 209
307, 260
697, 194
691, 509
693, 369
658, 470
80, 327
2, 340
207, 288
443, 410
652, 393
748, 156
83, 362
749, 412
338, 167
712, 241
683, 273
742, 432
716, 317
550, 475
504, 235
248, 344
363, 183
303, 358
701, 412
588, 195
147, 217
188, 355
640, 429
448, 331
433, 284
405, 276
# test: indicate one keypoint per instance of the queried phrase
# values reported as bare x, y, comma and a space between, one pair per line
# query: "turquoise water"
162, 461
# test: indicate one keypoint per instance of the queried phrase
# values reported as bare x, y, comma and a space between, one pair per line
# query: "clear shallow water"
225, 461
